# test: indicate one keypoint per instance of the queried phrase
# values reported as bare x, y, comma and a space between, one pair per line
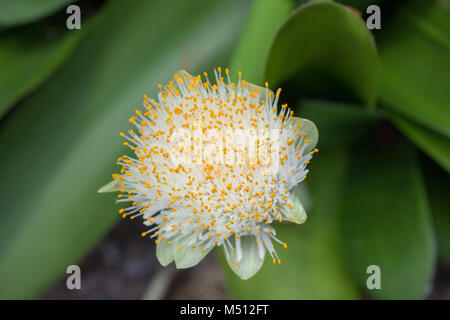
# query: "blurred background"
375, 82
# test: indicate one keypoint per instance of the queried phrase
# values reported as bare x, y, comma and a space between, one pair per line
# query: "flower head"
214, 165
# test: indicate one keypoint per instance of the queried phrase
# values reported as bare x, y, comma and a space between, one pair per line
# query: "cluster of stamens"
209, 203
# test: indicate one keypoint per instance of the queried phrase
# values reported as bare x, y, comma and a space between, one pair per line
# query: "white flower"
193, 206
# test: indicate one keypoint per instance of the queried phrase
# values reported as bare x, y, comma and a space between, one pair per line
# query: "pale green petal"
312, 134
262, 91
188, 256
164, 252
111, 186
302, 191
251, 262
180, 72
297, 214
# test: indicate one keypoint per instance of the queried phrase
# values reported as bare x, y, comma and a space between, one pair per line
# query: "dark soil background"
122, 265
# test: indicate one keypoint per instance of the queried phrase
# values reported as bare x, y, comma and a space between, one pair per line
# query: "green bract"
298, 213
251, 260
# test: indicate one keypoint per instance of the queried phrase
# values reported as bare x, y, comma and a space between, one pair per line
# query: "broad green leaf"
438, 185
311, 265
251, 52
385, 221
16, 12
434, 144
324, 49
339, 123
29, 56
62, 144
360, 4
415, 57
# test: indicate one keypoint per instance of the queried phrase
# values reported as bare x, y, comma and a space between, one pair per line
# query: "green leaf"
415, 58
30, 55
262, 23
324, 49
434, 144
311, 266
62, 144
438, 185
339, 123
385, 221
359, 4
16, 12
